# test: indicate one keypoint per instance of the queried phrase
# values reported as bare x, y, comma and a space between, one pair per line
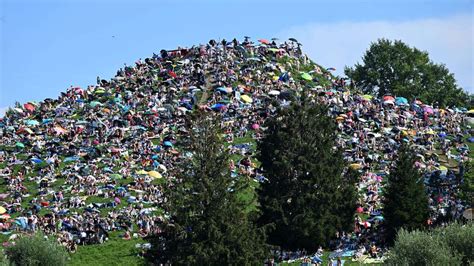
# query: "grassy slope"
116, 251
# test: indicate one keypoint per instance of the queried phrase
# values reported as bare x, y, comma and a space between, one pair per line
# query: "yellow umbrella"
154, 174
367, 97
430, 132
443, 168
355, 166
2, 210
470, 111
142, 172
246, 98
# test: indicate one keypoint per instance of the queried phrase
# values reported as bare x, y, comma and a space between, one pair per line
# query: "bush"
36, 250
460, 238
420, 248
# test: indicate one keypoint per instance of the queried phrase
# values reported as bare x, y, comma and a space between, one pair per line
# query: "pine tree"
405, 201
207, 222
307, 199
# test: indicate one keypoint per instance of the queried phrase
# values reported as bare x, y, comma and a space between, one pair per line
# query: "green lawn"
115, 251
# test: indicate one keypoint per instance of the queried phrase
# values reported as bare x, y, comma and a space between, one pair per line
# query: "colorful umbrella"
20, 145
264, 41
29, 107
246, 99
154, 174
94, 103
401, 101
116, 176
388, 98
31, 122
274, 93
428, 110
367, 97
306, 76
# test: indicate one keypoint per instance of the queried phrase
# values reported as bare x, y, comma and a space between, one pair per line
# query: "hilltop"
94, 161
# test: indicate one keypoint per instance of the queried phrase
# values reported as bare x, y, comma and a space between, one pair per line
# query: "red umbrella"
29, 107
360, 210
172, 74
388, 98
264, 41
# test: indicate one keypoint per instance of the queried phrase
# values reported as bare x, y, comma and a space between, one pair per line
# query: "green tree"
467, 187
460, 238
207, 224
405, 201
307, 198
37, 250
421, 248
396, 68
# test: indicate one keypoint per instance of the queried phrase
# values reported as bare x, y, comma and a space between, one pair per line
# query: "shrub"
420, 248
460, 238
36, 250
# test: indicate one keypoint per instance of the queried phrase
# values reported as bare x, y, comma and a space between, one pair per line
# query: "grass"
325, 258
115, 251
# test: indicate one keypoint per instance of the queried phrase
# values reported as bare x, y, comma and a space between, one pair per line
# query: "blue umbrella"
71, 159
401, 101
379, 217
31, 122
36, 160
168, 144
471, 139
442, 135
47, 120
222, 89
218, 106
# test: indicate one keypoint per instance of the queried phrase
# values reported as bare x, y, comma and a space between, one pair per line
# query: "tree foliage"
420, 248
396, 68
36, 250
207, 222
306, 199
467, 187
460, 238
405, 201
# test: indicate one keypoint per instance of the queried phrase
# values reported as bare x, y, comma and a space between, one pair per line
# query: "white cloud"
3, 110
447, 40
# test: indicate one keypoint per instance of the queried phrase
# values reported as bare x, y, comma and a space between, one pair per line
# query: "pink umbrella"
29, 107
255, 126
360, 210
428, 110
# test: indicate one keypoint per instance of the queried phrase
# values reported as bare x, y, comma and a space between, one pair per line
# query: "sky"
48, 45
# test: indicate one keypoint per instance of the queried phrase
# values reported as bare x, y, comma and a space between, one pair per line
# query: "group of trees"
307, 200
309, 196
396, 68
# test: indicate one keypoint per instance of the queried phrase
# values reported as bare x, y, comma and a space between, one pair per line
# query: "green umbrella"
94, 103
115, 176
20, 145
99, 90
306, 76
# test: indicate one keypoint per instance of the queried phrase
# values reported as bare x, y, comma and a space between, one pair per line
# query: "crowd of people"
94, 160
